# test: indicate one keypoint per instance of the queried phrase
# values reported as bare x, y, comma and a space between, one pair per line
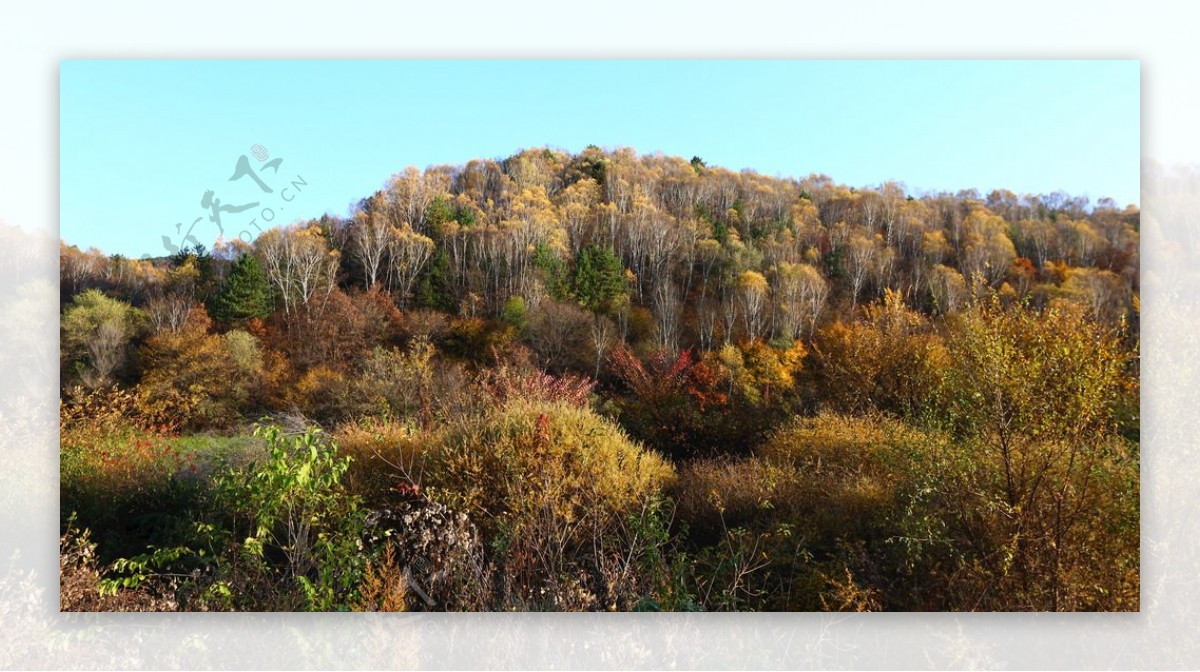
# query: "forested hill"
683, 254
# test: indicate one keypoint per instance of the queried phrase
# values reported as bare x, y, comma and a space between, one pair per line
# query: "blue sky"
142, 141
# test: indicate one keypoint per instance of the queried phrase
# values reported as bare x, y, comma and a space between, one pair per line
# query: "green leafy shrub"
82, 581
302, 530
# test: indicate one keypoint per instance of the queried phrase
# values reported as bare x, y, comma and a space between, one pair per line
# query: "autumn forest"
612, 381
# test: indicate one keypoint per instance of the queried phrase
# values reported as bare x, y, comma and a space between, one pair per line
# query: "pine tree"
433, 288
599, 278
246, 295
553, 273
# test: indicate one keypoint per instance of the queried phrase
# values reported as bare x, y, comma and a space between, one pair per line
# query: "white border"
35, 37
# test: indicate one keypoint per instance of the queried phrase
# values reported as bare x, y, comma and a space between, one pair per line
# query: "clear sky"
142, 141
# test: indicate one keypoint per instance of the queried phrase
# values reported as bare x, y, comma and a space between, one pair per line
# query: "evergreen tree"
202, 260
247, 293
599, 278
433, 286
553, 273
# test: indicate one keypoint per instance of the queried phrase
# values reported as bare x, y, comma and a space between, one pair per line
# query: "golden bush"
320, 391
842, 444
384, 453
892, 360
532, 457
552, 488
